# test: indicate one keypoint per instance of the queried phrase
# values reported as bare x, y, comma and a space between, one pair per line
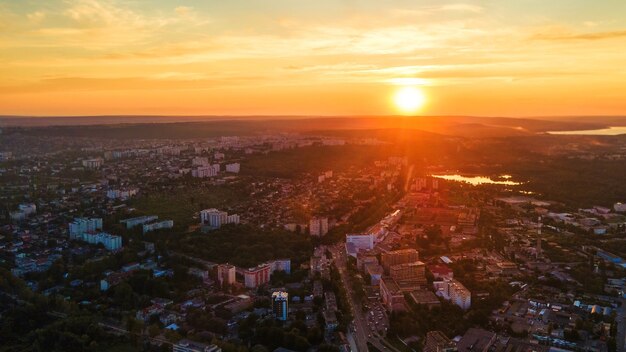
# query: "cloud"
183, 10
462, 8
36, 17
580, 36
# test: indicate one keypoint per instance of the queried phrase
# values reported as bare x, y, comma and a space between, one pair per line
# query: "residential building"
226, 274
165, 224
281, 265
280, 305
409, 272
257, 276
216, 218
200, 161
110, 242
122, 194
84, 225
318, 226
233, 168
204, 171
437, 341
132, 222
455, 292
401, 256
93, 163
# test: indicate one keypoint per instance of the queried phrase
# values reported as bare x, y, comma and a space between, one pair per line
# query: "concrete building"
122, 194
359, 242
281, 265
200, 161
318, 226
257, 276
455, 292
476, 340
216, 218
233, 168
93, 164
165, 224
185, 345
437, 341
204, 171
280, 305
401, 256
414, 273
226, 274
110, 242
391, 295
84, 225
140, 220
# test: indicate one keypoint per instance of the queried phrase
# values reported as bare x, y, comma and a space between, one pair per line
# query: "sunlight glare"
409, 99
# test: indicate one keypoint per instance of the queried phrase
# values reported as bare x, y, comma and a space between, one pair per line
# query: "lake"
479, 180
611, 131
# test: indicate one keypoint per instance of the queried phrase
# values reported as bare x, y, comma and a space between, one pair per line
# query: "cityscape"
427, 176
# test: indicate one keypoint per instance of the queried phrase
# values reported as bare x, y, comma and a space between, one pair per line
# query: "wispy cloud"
580, 36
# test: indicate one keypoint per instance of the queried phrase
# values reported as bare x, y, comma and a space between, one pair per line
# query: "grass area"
181, 205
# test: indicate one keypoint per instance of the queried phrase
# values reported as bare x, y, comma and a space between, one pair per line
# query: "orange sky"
479, 57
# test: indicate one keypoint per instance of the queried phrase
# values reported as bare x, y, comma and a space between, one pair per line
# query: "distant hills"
207, 126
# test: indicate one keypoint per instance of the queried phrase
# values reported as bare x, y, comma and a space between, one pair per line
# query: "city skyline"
519, 58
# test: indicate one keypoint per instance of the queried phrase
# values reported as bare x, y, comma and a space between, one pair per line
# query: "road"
360, 330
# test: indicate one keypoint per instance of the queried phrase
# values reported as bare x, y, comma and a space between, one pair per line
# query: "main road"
359, 330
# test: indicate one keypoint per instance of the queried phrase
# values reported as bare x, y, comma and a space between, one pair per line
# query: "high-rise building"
84, 225
216, 218
409, 272
226, 274
401, 256
280, 305
257, 276
455, 292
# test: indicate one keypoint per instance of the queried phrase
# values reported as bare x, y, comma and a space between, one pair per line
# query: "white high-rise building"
80, 226
216, 218
455, 292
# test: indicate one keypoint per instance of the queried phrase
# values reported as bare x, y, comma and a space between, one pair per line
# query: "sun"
409, 99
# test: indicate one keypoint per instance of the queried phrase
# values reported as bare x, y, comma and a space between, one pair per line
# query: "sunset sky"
246, 57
